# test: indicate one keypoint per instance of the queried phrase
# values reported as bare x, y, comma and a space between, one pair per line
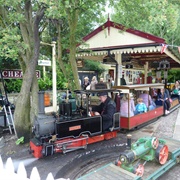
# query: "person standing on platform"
85, 83
176, 91
123, 81
163, 99
93, 83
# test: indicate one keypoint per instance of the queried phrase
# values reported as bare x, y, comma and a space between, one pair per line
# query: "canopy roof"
135, 46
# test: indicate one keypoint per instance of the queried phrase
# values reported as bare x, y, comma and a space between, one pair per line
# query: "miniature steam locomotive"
72, 128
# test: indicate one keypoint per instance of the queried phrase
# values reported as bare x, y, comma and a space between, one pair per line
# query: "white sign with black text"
44, 63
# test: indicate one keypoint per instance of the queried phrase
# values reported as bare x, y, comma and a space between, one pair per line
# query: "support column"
146, 72
54, 76
41, 102
118, 58
44, 72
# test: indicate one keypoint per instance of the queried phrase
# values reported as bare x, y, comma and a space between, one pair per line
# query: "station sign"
44, 63
17, 74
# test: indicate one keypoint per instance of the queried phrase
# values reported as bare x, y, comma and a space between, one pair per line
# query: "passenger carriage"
143, 118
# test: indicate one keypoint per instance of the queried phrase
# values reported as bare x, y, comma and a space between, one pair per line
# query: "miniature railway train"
73, 128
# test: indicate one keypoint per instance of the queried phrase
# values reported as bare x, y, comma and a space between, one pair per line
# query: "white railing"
7, 172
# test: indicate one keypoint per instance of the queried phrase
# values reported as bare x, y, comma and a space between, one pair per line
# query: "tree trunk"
73, 20
27, 102
34, 100
59, 57
22, 112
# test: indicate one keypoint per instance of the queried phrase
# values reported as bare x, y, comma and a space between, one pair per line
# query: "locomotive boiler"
71, 128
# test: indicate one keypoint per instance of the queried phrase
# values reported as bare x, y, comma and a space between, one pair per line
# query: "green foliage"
94, 66
61, 81
173, 75
158, 17
8, 63
45, 84
13, 85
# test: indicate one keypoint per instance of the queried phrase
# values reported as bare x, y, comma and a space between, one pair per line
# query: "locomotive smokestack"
41, 102
129, 141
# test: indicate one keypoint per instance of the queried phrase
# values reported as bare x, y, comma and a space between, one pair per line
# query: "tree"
158, 17
76, 13
173, 75
20, 40
21, 23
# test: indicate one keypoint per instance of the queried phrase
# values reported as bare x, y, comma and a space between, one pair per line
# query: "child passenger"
140, 107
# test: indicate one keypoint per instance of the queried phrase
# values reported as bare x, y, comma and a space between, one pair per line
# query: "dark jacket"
107, 110
123, 81
84, 86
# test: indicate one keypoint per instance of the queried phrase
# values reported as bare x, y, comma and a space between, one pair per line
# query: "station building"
125, 51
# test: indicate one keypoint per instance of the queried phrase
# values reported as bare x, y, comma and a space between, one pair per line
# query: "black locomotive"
72, 128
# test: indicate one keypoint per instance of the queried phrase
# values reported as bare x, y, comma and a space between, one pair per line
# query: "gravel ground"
166, 125
166, 129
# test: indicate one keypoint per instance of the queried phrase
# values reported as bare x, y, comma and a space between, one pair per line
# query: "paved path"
176, 134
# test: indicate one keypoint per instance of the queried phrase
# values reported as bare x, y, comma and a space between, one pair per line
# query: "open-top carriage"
131, 122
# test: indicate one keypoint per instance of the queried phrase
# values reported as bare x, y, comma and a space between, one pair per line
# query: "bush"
13, 85
45, 84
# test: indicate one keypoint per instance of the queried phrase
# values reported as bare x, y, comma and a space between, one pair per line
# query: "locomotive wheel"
162, 154
139, 170
155, 143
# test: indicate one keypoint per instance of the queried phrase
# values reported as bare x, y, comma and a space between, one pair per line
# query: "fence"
7, 171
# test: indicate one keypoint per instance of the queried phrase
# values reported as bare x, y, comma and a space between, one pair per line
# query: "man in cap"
106, 109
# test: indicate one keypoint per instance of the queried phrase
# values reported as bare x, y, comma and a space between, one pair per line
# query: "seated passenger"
147, 100
152, 105
163, 99
140, 107
106, 109
126, 102
176, 91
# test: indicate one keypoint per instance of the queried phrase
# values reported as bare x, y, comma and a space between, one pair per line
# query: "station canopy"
136, 47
